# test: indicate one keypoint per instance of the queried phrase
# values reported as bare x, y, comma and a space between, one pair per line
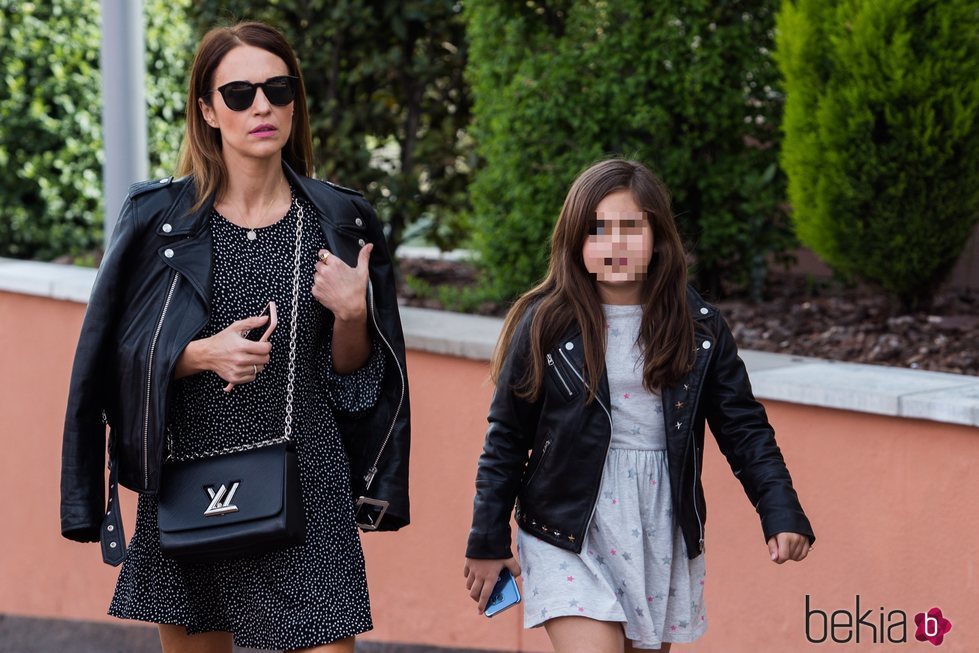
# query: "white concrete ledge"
900, 392
69, 282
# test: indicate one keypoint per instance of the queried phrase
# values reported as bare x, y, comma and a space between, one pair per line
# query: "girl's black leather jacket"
556, 488
152, 296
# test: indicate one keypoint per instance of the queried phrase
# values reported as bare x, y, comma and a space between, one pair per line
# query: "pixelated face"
620, 241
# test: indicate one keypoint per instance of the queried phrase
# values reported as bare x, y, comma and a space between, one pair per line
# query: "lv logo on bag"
221, 500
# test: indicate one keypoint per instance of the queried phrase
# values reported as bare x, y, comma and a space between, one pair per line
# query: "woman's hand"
788, 546
340, 288
228, 353
481, 577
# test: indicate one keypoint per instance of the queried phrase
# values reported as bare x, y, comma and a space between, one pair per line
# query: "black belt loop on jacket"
111, 535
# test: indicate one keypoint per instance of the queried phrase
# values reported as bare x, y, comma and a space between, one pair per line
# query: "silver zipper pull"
369, 476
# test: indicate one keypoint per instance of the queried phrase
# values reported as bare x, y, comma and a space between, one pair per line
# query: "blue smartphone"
505, 594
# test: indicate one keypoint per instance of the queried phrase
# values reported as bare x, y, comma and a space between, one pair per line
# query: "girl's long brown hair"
569, 294
200, 153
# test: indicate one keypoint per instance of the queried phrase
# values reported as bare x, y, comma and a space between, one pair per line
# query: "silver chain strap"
290, 377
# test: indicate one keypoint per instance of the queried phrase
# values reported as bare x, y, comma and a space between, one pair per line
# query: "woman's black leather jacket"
152, 296
557, 487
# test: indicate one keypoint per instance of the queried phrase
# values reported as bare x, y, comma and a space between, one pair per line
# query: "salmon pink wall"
893, 503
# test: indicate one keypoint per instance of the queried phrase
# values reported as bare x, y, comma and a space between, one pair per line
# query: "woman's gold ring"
324, 256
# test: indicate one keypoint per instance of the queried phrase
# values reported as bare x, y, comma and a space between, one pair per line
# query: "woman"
164, 361
607, 371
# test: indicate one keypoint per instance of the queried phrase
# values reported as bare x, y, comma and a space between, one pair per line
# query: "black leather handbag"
241, 501
232, 505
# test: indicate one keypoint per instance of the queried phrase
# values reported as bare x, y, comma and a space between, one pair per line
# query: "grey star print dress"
633, 566
298, 597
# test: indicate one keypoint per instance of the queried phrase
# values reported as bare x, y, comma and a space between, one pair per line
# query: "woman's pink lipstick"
263, 131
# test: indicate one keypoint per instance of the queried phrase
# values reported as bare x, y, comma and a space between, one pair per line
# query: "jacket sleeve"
390, 482
509, 437
83, 446
740, 426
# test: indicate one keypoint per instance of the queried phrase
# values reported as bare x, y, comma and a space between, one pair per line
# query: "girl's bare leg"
665, 648
583, 635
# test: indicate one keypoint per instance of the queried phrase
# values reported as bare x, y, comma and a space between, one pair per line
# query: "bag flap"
223, 490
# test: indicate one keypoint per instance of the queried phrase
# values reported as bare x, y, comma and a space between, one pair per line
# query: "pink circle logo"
932, 626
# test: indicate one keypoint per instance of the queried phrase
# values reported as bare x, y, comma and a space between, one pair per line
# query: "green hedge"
881, 136
688, 87
50, 109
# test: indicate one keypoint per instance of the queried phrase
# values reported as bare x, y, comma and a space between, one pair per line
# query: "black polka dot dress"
303, 596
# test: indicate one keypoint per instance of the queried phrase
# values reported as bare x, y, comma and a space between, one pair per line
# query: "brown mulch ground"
823, 319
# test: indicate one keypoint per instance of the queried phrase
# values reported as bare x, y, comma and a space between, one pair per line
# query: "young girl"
606, 372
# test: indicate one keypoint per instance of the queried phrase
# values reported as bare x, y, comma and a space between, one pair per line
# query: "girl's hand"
228, 353
340, 288
481, 577
788, 546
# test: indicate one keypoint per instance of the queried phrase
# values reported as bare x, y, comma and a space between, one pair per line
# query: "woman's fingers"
245, 325
247, 368
339, 287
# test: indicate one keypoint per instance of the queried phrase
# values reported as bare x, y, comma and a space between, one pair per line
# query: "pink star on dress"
612, 551
570, 579
626, 395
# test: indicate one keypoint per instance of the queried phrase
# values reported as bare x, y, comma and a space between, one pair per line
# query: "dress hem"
244, 642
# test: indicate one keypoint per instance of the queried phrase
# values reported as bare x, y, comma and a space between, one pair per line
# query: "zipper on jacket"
693, 443
608, 445
695, 508
552, 365
149, 380
540, 462
369, 477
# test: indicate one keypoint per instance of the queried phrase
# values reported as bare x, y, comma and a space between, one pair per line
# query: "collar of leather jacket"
187, 231
570, 344
700, 312
179, 220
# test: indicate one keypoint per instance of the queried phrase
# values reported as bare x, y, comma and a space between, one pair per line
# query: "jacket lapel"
189, 239
328, 205
189, 251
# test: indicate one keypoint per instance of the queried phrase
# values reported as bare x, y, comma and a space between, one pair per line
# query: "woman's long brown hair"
200, 153
569, 293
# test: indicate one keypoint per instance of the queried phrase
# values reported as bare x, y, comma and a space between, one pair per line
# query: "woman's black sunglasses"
279, 91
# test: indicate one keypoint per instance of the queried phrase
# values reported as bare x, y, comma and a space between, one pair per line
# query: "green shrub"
881, 136
169, 53
50, 108
687, 87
